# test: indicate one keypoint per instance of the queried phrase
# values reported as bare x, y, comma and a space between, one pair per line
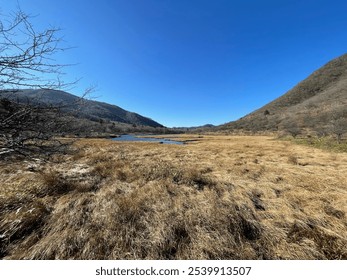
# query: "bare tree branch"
27, 60
27, 55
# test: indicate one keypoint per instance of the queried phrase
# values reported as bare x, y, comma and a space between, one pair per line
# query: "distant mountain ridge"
314, 105
194, 128
83, 108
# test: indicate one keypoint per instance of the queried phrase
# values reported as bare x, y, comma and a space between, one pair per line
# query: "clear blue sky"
192, 62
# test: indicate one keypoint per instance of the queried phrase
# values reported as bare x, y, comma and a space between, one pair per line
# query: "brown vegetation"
218, 197
316, 106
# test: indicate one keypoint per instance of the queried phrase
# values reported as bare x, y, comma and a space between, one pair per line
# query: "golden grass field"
218, 197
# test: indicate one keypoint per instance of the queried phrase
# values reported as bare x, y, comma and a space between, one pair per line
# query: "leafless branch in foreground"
27, 60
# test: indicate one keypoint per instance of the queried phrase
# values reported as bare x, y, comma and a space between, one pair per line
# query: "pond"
132, 138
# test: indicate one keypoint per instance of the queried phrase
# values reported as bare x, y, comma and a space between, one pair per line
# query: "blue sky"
187, 63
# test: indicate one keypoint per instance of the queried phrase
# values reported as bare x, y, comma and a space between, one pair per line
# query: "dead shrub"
293, 160
103, 170
54, 183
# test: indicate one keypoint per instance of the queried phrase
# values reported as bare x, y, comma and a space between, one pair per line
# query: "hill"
88, 109
317, 105
200, 128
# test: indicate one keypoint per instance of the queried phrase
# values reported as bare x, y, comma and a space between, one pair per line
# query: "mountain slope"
89, 109
316, 105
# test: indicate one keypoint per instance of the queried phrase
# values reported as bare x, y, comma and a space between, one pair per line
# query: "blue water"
133, 138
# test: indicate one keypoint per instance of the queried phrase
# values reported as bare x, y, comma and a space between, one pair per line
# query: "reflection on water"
127, 137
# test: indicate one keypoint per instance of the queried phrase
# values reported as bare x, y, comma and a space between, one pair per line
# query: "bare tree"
338, 126
27, 61
27, 55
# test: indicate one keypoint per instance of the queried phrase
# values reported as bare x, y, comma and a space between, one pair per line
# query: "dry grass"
218, 197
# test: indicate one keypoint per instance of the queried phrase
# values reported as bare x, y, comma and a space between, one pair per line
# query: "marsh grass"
216, 198
325, 143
